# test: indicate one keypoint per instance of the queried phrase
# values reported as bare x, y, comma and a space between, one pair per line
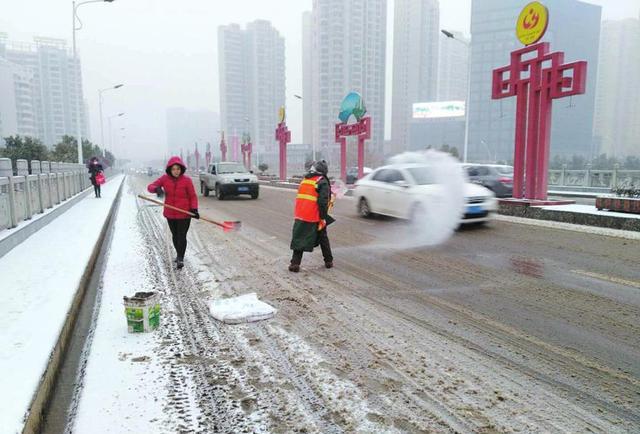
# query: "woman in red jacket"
180, 193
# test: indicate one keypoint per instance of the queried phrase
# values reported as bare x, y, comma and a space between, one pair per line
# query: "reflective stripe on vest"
307, 200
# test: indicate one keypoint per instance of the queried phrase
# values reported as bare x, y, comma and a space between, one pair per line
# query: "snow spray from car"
434, 216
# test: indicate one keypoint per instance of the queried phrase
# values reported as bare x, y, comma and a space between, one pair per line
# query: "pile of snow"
241, 309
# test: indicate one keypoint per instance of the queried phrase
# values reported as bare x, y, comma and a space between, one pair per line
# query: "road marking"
612, 279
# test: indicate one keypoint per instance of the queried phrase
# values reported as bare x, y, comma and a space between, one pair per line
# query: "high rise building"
307, 79
266, 82
252, 81
17, 115
617, 118
574, 28
415, 63
348, 54
48, 88
186, 127
234, 97
453, 67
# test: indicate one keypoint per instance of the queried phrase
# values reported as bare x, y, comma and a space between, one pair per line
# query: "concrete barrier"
598, 220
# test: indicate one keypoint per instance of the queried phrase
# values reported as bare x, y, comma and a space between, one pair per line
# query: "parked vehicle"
352, 174
229, 179
399, 190
496, 178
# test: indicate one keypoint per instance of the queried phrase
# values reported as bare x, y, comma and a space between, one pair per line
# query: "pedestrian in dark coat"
95, 168
312, 216
178, 190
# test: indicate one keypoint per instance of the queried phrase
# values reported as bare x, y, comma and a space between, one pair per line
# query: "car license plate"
475, 210
243, 188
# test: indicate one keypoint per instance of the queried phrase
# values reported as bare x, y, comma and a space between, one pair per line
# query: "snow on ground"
596, 230
39, 279
123, 382
590, 209
8, 232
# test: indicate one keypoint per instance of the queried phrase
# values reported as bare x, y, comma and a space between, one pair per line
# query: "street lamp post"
468, 101
75, 60
313, 143
110, 131
100, 99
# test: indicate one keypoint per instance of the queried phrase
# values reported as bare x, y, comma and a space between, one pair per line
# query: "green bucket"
142, 312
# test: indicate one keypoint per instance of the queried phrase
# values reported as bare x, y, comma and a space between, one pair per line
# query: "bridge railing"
25, 193
594, 178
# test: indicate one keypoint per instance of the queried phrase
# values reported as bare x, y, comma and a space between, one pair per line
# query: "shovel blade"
232, 226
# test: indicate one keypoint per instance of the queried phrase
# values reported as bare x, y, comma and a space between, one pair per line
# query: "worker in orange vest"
312, 216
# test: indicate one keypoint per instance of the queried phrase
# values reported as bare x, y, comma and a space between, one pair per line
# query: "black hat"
321, 167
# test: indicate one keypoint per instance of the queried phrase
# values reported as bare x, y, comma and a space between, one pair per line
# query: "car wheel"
363, 208
205, 190
418, 213
255, 195
219, 193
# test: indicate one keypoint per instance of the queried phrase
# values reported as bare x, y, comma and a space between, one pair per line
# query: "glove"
196, 214
322, 224
160, 192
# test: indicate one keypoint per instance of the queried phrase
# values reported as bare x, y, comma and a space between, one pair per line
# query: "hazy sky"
165, 52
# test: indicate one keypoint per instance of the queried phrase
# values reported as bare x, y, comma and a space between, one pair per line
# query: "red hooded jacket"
179, 192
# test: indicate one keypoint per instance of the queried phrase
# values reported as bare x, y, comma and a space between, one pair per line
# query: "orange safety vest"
307, 200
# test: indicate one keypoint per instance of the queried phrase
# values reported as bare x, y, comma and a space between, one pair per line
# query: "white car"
402, 190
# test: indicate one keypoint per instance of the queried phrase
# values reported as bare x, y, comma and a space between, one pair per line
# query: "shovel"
227, 226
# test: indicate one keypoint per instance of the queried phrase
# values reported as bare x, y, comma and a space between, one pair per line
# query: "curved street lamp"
100, 99
76, 18
467, 103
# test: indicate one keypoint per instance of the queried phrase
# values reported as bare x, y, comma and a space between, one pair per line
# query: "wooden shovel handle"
182, 211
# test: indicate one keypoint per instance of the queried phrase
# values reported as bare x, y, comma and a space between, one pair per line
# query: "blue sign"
352, 104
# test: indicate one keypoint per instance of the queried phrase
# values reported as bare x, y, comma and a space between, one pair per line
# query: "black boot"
294, 268
179, 263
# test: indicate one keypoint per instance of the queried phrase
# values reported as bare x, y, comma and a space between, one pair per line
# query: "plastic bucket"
142, 312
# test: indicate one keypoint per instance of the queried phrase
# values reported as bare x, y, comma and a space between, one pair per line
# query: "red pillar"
343, 159
532, 140
544, 140
249, 151
361, 140
520, 140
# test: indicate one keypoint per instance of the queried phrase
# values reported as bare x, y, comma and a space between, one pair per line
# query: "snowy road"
507, 328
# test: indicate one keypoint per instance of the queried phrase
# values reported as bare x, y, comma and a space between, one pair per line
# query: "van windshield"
232, 168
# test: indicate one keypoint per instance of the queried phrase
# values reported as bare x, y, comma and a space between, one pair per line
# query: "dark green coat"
305, 234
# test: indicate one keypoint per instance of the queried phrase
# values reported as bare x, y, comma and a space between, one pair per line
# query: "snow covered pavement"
39, 280
122, 385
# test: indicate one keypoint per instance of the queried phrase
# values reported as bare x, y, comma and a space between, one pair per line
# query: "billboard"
440, 109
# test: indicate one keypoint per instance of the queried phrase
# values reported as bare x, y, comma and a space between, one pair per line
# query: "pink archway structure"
223, 149
247, 149
361, 129
283, 136
535, 77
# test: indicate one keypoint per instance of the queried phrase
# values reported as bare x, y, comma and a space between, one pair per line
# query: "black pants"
323, 238
179, 229
96, 189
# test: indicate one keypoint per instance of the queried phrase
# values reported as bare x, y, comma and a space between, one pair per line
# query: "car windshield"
504, 170
232, 168
421, 175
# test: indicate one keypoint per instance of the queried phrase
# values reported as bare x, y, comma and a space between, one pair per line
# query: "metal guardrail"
594, 178
25, 195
